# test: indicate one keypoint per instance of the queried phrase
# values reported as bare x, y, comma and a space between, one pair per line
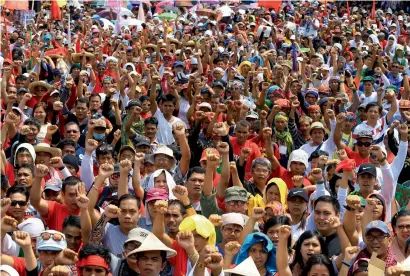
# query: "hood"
283, 189
299, 156
129, 64
381, 198
27, 146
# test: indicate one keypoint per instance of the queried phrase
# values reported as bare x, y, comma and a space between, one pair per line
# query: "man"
52, 189
150, 130
94, 259
71, 163
261, 170
195, 181
72, 131
152, 256
231, 229
72, 232
164, 115
25, 175
173, 217
95, 103
51, 211
368, 95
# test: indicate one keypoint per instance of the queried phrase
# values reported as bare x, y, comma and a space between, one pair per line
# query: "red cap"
156, 194
127, 36
7, 60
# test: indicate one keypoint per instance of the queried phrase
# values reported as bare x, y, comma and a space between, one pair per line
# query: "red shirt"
179, 262
286, 176
19, 265
57, 212
9, 171
255, 153
356, 157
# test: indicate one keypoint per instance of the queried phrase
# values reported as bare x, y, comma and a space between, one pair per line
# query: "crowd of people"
210, 138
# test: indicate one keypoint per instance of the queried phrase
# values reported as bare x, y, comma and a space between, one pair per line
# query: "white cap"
205, 104
233, 218
164, 150
292, 37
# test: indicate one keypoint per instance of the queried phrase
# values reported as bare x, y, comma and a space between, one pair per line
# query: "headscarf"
271, 90
283, 189
170, 181
244, 63
268, 247
284, 136
201, 225
129, 64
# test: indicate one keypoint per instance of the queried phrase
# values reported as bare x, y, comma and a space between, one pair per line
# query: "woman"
271, 229
40, 114
162, 179
309, 243
262, 251
297, 208
401, 228
282, 137
319, 265
276, 190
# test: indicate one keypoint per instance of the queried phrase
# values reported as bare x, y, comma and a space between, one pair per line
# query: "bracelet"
188, 206
200, 265
346, 264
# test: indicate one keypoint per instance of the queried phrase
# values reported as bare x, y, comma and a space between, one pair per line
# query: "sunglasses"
45, 236
363, 144
19, 202
115, 176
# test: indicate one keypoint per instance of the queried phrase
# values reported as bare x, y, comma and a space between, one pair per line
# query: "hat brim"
155, 198
239, 198
38, 83
49, 248
53, 151
55, 189
170, 252
302, 197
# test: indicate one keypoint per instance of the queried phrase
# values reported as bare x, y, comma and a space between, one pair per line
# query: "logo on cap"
375, 223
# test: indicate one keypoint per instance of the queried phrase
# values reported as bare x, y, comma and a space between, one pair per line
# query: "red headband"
93, 260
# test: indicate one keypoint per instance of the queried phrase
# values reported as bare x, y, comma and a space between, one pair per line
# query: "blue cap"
312, 92
47, 37
378, 225
178, 63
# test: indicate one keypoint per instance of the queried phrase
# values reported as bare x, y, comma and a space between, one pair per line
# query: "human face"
161, 181
72, 132
40, 114
129, 214
297, 168
95, 103
163, 161
297, 206
43, 158
173, 218
81, 110
402, 229
319, 270
231, 232
378, 209
273, 194
51, 195
68, 149
105, 159
24, 158
127, 154
373, 113
69, 195
92, 270
47, 257
260, 173
146, 105
236, 206
73, 237
273, 234
378, 242
150, 263
17, 211
32, 134
310, 99
309, 247
363, 145
25, 177
150, 130
323, 211
167, 108
315, 115
304, 126
242, 134
194, 185
281, 124
40, 90
317, 135
258, 255
366, 183
128, 247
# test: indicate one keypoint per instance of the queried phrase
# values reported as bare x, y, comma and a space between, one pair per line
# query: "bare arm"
39, 203
223, 149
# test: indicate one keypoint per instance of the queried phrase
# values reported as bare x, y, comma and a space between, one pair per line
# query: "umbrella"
168, 15
171, 9
106, 13
160, 5
129, 22
107, 24
207, 12
182, 3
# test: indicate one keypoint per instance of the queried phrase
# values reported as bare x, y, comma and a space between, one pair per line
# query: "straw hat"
152, 243
246, 268
38, 83
78, 56
190, 43
150, 46
44, 147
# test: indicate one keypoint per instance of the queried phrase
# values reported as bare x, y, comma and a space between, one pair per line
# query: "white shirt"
378, 131
164, 133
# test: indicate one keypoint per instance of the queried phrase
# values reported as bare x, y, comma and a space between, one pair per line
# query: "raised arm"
136, 176
125, 168
257, 214
158, 226
179, 131
153, 94
282, 259
39, 203
82, 202
223, 149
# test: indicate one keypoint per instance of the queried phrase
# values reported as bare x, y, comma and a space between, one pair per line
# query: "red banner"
55, 10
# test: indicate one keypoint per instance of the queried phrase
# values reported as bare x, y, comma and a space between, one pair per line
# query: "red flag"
55, 11
348, 10
374, 9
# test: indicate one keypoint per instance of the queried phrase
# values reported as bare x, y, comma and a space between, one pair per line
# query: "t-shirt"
19, 265
356, 157
57, 212
179, 262
255, 153
164, 133
286, 176
114, 239
378, 131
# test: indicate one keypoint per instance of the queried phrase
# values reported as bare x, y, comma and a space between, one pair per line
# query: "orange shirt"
179, 262
356, 157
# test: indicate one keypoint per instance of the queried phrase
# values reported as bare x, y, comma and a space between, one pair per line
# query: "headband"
313, 108
93, 260
281, 116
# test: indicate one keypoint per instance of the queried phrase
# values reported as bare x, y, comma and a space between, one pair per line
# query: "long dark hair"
44, 106
319, 259
281, 220
298, 246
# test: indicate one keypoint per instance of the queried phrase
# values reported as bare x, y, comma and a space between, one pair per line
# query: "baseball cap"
404, 104
206, 105
143, 143
362, 106
132, 103
53, 184
252, 114
364, 134
236, 193
156, 194
367, 168
116, 168
33, 226
22, 90
317, 125
137, 234
219, 84
368, 78
71, 160
209, 151
149, 158
298, 192
55, 91
177, 63
378, 225
233, 218
164, 150
51, 244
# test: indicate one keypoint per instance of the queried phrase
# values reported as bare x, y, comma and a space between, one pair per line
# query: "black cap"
132, 103
72, 161
367, 168
298, 192
22, 90
143, 143
218, 83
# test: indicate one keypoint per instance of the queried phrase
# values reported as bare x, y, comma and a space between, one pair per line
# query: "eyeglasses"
19, 202
363, 144
72, 131
55, 236
161, 159
402, 227
371, 238
261, 170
